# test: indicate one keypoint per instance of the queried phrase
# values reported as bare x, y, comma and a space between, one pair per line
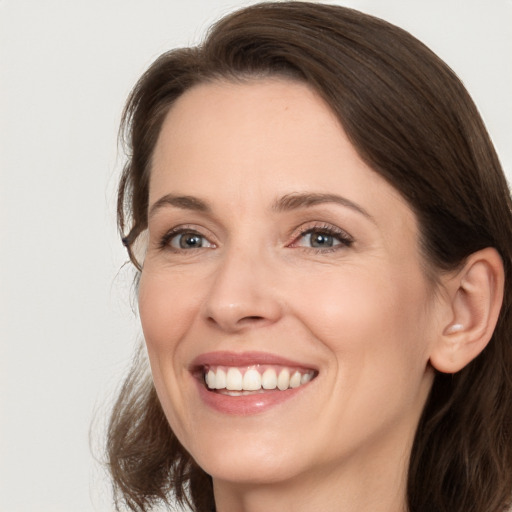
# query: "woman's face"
278, 259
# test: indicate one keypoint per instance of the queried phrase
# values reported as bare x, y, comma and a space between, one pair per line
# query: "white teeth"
251, 380
220, 379
283, 381
305, 378
210, 379
234, 379
269, 379
295, 380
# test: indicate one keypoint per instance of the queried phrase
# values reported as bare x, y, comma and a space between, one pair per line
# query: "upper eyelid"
160, 225
320, 226
169, 215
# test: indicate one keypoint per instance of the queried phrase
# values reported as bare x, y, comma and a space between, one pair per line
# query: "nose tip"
242, 297
242, 314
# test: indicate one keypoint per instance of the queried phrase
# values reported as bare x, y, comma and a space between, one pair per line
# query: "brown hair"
412, 121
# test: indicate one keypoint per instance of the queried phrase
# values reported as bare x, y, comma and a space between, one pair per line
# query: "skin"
362, 314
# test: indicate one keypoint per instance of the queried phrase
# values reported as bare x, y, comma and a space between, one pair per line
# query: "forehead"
249, 130
243, 122
260, 139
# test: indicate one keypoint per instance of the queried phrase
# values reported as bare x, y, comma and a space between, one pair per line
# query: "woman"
322, 231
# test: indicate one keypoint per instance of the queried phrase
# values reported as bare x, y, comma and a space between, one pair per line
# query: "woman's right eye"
185, 240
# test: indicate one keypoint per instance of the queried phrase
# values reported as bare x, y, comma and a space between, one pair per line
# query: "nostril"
241, 322
250, 320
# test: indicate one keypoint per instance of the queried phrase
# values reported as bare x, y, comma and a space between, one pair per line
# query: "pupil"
321, 240
188, 241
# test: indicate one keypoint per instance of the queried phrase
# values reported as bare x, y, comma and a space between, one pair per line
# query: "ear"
473, 301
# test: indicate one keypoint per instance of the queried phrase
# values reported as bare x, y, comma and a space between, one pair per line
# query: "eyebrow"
286, 203
182, 202
296, 201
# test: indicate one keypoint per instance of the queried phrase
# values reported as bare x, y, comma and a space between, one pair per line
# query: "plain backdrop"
67, 328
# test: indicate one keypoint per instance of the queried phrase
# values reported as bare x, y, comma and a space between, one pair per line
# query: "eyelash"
344, 239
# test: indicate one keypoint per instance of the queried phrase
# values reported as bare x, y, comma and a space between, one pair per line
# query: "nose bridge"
242, 293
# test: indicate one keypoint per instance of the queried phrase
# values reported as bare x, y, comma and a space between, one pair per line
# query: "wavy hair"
410, 118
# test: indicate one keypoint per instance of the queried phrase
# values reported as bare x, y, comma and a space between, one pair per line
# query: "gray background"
67, 330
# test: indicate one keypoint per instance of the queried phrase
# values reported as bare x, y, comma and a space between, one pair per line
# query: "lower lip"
246, 404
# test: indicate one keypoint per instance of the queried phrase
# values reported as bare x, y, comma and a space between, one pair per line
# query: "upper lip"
240, 359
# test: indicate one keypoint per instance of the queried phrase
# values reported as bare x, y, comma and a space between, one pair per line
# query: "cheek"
371, 316
166, 314
166, 310
376, 331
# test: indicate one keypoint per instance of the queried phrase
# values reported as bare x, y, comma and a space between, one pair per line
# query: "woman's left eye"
317, 238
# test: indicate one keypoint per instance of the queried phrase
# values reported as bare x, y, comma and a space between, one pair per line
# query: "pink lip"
224, 358
246, 404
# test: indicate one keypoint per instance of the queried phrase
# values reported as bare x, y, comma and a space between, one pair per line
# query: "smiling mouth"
255, 379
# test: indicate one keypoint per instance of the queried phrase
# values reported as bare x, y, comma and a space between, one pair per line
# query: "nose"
243, 294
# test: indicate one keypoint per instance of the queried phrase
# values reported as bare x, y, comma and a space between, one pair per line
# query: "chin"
239, 459
262, 471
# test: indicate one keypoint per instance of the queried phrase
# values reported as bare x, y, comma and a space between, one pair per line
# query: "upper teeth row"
252, 380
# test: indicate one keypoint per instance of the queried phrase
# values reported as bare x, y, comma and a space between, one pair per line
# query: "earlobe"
474, 298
